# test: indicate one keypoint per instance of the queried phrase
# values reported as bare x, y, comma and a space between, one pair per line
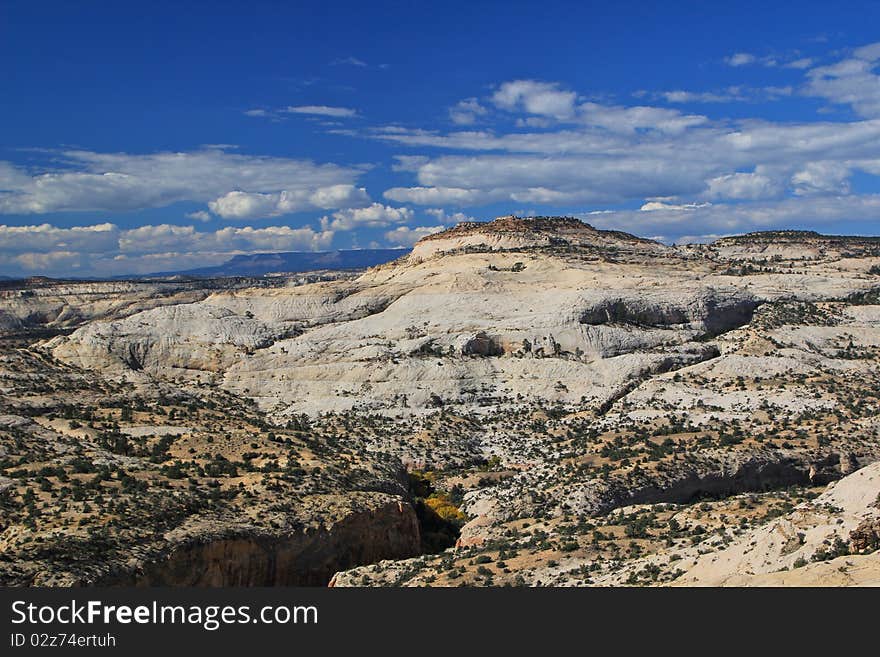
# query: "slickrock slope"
42, 305
179, 340
455, 332
58, 305
543, 310
842, 519
568, 401
571, 313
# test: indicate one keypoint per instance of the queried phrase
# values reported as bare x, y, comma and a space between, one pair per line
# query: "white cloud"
870, 52
45, 238
199, 215
373, 216
409, 162
533, 122
437, 195
742, 186
406, 236
822, 178
164, 237
802, 63
110, 182
323, 110
339, 196
467, 111
185, 239
553, 179
732, 94
630, 119
613, 154
252, 205
657, 206
151, 263
775, 93
105, 249
769, 61
23, 264
680, 96
703, 238
721, 218
740, 59
240, 205
535, 97
445, 218
852, 81
350, 61
705, 160
564, 152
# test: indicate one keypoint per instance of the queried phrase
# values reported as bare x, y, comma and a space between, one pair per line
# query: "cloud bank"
259, 186
108, 250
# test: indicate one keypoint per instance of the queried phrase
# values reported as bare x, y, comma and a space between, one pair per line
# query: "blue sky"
175, 135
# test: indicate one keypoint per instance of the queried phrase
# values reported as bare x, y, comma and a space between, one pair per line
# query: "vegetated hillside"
573, 406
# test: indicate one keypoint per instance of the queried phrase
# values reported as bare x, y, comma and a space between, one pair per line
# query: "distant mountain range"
260, 264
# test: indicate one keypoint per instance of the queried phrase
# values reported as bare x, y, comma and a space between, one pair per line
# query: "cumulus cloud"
254, 205
535, 97
409, 235
238, 205
372, 216
111, 182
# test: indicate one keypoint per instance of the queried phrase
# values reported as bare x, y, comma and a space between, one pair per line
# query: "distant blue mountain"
259, 264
